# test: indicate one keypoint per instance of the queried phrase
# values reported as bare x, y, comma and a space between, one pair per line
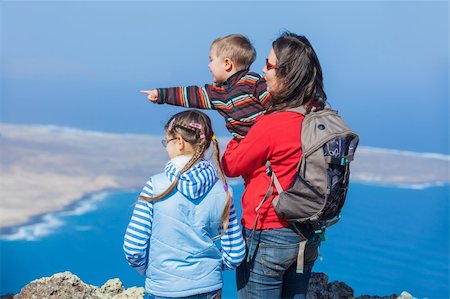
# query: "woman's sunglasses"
270, 66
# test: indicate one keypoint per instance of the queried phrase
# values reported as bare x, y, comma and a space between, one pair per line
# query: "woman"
294, 78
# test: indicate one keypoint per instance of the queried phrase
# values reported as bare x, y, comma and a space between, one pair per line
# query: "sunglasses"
270, 66
164, 142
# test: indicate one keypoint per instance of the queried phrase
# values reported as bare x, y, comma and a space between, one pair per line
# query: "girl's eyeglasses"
164, 142
270, 66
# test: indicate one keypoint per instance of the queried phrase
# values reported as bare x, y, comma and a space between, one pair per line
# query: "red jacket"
274, 137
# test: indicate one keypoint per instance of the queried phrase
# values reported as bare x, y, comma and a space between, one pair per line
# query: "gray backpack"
319, 189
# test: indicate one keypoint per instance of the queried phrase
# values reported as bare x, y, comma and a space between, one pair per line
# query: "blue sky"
81, 63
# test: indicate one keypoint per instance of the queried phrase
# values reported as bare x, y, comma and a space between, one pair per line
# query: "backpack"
319, 189
318, 192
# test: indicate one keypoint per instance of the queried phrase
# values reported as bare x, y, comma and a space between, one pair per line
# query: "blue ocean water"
389, 240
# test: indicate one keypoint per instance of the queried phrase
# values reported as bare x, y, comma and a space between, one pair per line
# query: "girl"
179, 215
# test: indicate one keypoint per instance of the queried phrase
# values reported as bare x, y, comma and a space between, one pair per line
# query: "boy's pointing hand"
152, 95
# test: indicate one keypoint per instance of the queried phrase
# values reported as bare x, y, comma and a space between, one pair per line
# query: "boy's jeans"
271, 271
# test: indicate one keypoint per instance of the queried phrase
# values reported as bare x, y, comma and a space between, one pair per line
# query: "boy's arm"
139, 230
261, 93
241, 158
233, 245
189, 97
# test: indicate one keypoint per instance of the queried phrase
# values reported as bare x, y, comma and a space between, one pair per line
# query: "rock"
394, 296
60, 285
112, 287
133, 292
406, 295
319, 288
68, 286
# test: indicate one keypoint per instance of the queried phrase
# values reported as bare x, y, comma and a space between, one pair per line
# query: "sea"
389, 239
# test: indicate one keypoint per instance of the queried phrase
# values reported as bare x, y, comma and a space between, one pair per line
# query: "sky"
81, 64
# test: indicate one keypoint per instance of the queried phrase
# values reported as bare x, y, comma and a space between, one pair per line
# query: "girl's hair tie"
195, 125
225, 187
169, 128
213, 138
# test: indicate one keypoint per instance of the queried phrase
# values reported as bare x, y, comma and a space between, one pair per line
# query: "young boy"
237, 94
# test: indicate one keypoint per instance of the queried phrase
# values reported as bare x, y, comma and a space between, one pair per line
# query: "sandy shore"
44, 168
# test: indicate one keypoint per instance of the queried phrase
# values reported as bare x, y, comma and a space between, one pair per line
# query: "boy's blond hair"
237, 47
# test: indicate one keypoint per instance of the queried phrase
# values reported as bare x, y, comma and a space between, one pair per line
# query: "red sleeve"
241, 158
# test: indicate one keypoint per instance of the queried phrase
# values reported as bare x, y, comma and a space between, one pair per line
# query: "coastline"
48, 169
45, 169
69, 209
39, 218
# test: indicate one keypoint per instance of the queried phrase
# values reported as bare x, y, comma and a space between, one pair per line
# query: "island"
47, 168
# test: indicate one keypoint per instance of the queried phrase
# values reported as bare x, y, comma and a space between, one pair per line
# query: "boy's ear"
228, 64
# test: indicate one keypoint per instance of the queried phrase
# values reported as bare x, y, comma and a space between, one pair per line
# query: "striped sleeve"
232, 242
139, 230
189, 97
261, 92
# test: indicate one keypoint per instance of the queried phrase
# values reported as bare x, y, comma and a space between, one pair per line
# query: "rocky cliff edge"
68, 286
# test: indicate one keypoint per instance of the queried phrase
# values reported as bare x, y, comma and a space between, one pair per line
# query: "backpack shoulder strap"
299, 109
273, 177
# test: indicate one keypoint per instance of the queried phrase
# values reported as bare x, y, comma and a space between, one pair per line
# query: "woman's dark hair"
299, 73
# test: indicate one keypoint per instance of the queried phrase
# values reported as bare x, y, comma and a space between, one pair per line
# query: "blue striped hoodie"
194, 183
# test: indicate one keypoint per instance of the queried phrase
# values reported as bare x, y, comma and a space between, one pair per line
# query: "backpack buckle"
268, 168
321, 234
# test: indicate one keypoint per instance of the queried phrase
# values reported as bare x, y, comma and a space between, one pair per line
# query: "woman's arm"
138, 232
233, 245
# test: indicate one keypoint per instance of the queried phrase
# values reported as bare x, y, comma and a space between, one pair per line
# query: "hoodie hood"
196, 181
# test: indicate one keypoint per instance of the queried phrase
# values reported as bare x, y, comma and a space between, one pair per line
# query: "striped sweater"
239, 99
194, 183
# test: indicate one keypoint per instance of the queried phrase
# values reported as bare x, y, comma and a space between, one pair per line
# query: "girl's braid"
199, 151
229, 200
